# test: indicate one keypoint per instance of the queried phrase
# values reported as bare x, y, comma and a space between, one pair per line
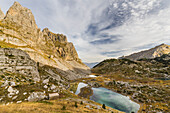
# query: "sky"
102, 29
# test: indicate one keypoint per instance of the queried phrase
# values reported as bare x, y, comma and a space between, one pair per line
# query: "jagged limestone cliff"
151, 53
18, 30
34, 63
1, 15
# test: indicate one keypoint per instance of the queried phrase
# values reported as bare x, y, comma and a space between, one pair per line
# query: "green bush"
63, 108
76, 105
104, 106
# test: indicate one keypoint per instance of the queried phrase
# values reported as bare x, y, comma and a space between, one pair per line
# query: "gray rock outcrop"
17, 61
36, 96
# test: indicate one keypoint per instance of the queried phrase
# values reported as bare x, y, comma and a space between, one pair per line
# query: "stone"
45, 86
19, 102
15, 97
24, 93
10, 95
12, 84
53, 96
10, 89
87, 106
5, 84
36, 96
53, 87
45, 81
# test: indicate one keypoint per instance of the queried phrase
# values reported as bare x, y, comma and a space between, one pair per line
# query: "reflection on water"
111, 99
114, 100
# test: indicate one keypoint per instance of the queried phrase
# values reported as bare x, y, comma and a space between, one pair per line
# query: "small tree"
104, 106
76, 104
64, 107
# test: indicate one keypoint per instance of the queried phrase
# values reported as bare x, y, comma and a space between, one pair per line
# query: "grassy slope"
54, 106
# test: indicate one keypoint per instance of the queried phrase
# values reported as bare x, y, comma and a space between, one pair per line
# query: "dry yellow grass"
53, 107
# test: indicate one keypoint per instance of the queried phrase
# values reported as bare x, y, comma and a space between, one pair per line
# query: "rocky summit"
151, 53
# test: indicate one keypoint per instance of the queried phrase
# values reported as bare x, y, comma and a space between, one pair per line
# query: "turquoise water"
112, 99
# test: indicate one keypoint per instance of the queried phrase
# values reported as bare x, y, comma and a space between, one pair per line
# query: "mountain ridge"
150, 53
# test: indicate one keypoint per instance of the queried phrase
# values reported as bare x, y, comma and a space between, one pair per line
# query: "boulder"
53, 96
36, 96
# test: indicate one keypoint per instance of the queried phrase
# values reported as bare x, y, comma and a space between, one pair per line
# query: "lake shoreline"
127, 99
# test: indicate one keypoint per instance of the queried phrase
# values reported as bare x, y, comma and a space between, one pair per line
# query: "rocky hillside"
146, 81
29, 85
158, 67
17, 61
151, 53
19, 30
22, 79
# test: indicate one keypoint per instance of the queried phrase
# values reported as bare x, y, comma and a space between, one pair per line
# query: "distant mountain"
158, 67
91, 65
151, 53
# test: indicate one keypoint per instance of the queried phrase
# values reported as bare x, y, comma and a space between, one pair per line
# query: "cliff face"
62, 48
1, 15
18, 30
21, 19
151, 53
17, 61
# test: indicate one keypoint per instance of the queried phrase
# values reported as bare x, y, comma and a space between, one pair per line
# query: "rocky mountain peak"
161, 49
19, 30
20, 17
1, 15
54, 37
151, 53
17, 4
